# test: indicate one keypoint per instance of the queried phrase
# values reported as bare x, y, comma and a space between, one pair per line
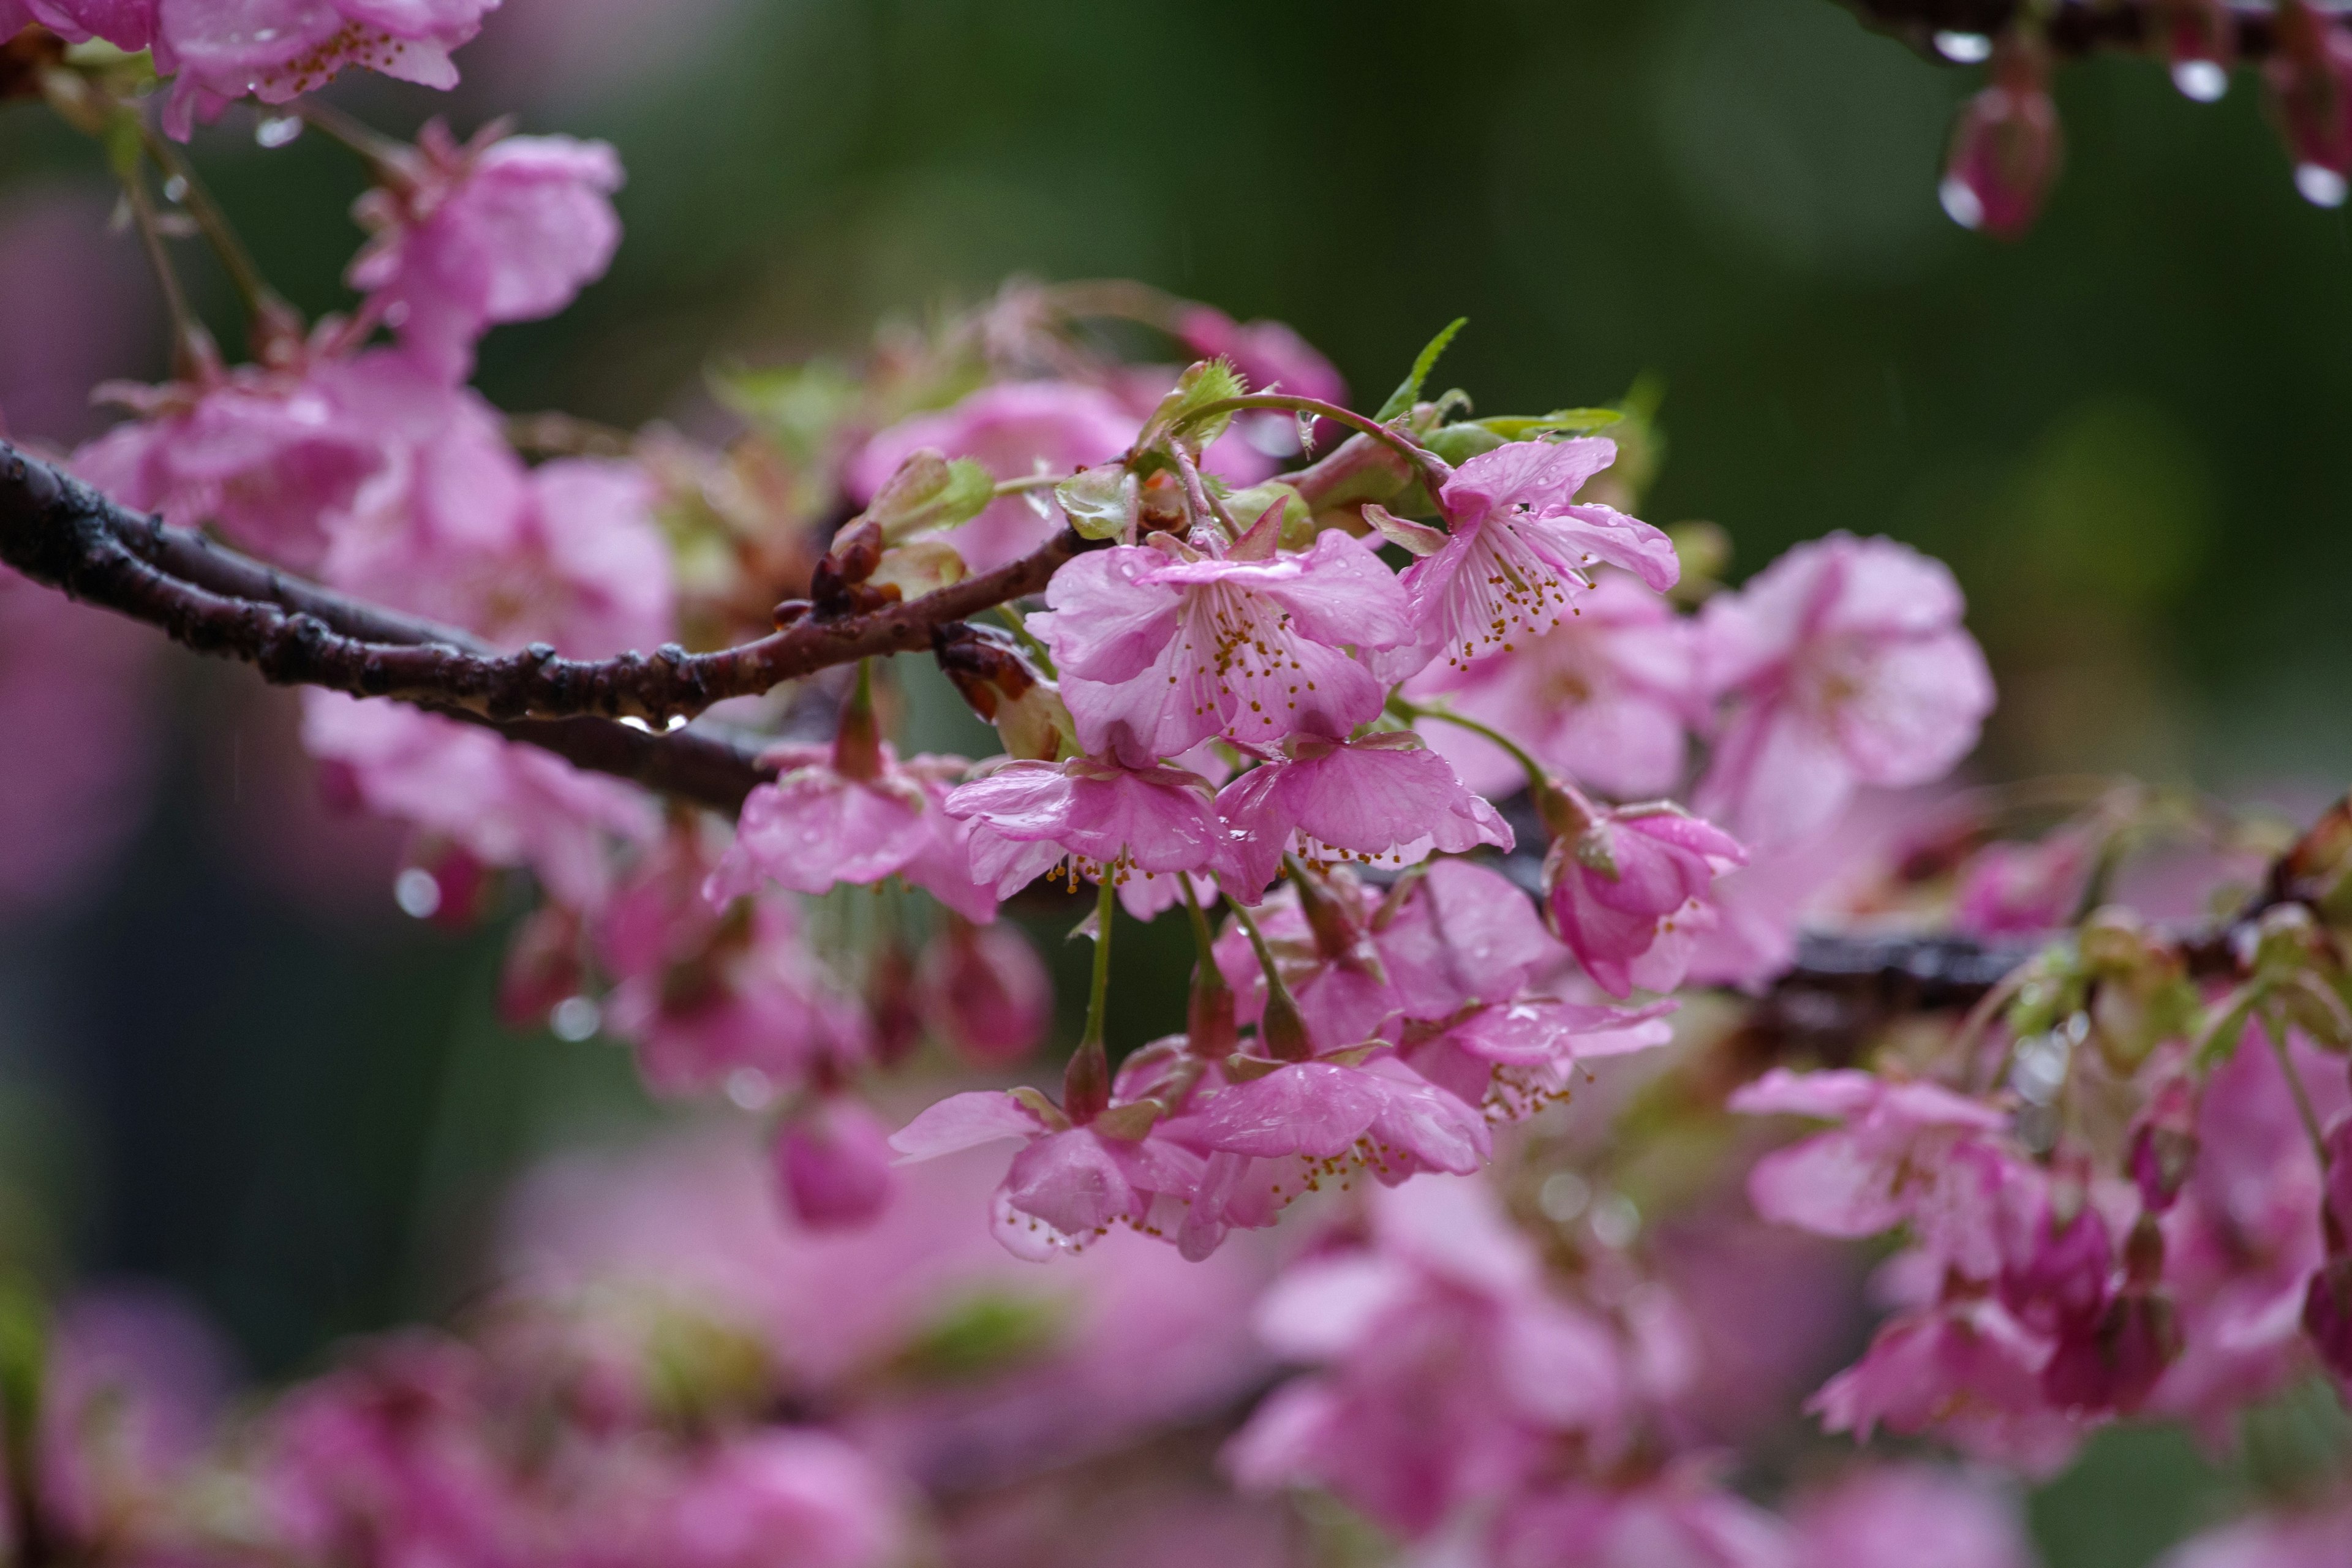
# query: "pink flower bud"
2201, 39
1630, 892
2063, 1283
2310, 76
985, 992
833, 1163
2005, 147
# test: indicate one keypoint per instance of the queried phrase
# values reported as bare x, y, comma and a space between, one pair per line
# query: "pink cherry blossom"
128, 25
1522, 551
1029, 817
1069, 1184
1161, 649
509, 806
1911, 1516
2021, 889
705, 995
276, 51
985, 992
1444, 1367
502, 228
1906, 1154
827, 820
1605, 697
832, 1165
1513, 1058
74, 688
1011, 428
1845, 664
781, 1498
1386, 797
269, 456
1630, 892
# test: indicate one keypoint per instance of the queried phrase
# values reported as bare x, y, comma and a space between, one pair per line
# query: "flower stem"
1282, 1029
2302, 1106
194, 352
1432, 467
1097, 998
267, 311
1538, 776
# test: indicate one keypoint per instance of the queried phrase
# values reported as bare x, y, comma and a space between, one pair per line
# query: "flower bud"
2062, 1282
2005, 147
2114, 1362
1000, 684
1209, 1028
444, 883
2310, 76
832, 1165
928, 493
985, 991
2200, 37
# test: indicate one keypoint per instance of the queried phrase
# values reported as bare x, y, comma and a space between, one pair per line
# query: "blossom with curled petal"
1631, 889
1099, 818
1844, 663
1386, 798
1522, 551
502, 228
276, 51
1161, 647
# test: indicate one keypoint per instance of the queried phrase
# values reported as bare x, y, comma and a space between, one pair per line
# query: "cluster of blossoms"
2006, 148
1391, 714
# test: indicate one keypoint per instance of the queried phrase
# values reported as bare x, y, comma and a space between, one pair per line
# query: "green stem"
265, 307
2303, 1107
1097, 999
1432, 468
1538, 776
192, 348
1203, 940
1030, 642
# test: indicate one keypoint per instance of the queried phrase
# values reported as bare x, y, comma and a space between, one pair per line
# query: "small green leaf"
984, 1332
1408, 391
1101, 502
1204, 383
1558, 422
1457, 443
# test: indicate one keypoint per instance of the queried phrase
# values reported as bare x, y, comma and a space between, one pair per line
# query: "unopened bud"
1210, 1032
928, 493
2005, 147
2114, 1363
998, 682
1086, 1084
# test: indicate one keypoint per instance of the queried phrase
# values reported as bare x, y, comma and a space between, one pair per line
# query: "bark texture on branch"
61, 532
2076, 27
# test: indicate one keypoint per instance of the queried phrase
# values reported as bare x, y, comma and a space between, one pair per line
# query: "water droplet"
1962, 205
677, 722
1964, 48
1615, 1221
1563, 1197
2039, 1069
277, 129
748, 1088
417, 892
575, 1018
2322, 188
175, 189
2201, 81
639, 725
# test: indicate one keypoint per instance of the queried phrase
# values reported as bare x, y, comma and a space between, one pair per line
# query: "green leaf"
984, 1332
1558, 422
930, 492
1101, 502
1408, 392
1207, 382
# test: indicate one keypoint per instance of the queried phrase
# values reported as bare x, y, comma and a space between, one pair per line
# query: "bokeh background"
227, 1062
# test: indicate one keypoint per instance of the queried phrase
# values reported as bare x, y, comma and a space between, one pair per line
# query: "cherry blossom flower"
1522, 551
1386, 797
1161, 647
1845, 664
507, 805
502, 228
1445, 1369
1606, 697
1513, 1058
1013, 428
832, 1164
1630, 891
269, 456
835, 816
276, 51
1070, 1184
1906, 1154
1911, 1516
1104, 820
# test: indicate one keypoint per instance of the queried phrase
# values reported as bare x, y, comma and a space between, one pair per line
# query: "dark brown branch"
60, 532
2077, 27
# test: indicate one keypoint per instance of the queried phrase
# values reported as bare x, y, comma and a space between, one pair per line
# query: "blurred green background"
2128, 435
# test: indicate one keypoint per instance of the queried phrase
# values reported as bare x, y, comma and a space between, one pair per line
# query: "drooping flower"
839, 814
832, 1165
1105, 820
1445, 1370
1386, 798
1071, 1181
1522, 551
276, 51
502, 229
1013, 428
1906, 1154
1606, 697
2006, 146
1846, 664
1629, 892
1159, 648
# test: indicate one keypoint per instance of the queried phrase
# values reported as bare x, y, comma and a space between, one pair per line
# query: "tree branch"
2076, 27
60, 532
